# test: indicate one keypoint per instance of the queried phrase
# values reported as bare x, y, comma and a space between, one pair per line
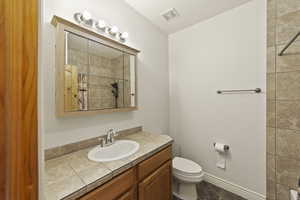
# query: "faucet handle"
101, 141
116, 133
112, 131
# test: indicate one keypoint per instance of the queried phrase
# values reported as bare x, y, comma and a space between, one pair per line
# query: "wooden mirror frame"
62, 26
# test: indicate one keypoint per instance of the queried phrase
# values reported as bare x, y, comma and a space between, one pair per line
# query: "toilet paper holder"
226, 147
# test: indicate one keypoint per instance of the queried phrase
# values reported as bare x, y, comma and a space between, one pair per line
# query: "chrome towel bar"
256, 90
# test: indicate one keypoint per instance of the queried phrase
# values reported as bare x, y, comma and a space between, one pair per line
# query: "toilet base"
186, 191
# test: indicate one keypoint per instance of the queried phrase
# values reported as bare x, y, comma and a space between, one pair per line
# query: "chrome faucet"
109, 137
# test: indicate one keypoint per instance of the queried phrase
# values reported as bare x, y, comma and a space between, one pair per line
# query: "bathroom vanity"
149, 180
145, 175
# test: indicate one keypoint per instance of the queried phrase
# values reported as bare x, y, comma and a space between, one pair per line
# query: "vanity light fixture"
100, 25
84, 17
124, 35
113, 30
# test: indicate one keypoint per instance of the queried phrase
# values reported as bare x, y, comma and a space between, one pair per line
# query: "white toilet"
186, 175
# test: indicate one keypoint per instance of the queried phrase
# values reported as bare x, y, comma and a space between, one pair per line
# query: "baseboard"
231, 187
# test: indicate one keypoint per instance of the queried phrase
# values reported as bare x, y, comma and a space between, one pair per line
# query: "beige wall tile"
126, 66
118, 67
271, 86
271, 33
76, 57
271, 59
88, 143
271, 22
271, 9
288, 143
130, 131
288, 114
271, 189
69, 148
52, 153
127, 94
287, 171
282, 192
288, 26
290, 60
271, 136
271, 115
288, 86
282, 142
77, 42
287, 6
95, 60
271, 167
94, 80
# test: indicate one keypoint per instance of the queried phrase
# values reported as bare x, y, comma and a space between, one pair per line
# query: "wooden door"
2, 113
71, 88
158, 185
18, 90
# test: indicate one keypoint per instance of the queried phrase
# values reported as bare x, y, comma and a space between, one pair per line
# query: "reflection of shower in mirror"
82, 91
115, 92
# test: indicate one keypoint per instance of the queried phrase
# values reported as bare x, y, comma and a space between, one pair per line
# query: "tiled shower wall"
103, 72
283, 99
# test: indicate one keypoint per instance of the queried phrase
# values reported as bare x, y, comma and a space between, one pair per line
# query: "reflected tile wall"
102, 73
283, 94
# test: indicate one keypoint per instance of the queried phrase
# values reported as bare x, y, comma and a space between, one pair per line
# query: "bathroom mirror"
93, 74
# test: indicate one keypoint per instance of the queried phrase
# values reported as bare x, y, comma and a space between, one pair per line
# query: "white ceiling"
191, 11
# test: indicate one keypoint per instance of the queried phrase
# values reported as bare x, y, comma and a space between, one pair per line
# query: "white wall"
152, 73
224, 52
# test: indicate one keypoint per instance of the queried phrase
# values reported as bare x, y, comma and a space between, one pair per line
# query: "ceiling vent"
170, 14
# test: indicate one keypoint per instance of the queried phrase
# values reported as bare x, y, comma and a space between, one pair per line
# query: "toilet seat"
186, 167
187, 170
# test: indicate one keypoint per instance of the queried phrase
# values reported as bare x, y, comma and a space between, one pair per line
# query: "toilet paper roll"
219, 147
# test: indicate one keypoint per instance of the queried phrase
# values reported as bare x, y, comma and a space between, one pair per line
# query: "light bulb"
114, 30
124, 35
101, 24
86, 16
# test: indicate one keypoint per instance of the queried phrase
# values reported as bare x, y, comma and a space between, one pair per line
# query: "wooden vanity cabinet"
130, 195
149, 180
115, 189
158, 185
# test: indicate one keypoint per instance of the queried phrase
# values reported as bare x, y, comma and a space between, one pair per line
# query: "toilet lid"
186, 166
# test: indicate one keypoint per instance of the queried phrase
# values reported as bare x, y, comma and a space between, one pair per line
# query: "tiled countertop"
72, 175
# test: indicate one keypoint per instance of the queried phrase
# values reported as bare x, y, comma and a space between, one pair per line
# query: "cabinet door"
127, 196
158, 185
114, 188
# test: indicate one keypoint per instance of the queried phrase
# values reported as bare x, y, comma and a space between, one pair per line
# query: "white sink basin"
119, 150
